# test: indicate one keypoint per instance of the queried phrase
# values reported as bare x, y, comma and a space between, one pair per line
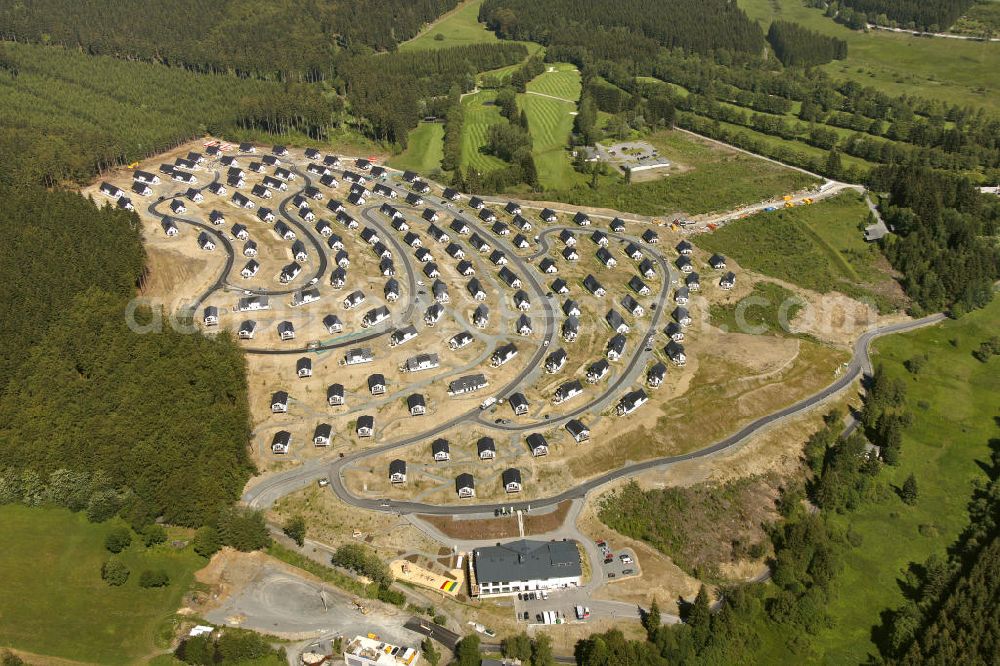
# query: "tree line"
282, 41
943, 243
798, 46
932, 15
953, 599
164, 414
69, 115
694, 25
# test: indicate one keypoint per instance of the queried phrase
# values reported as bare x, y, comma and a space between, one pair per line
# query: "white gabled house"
247, 330
210, 316
655, 375
440, 450
591, 284
577, 430
281, 443
675, 352
481, 316
616, 347
460, 340
279, 402
537, 444
250, 269
322, 434
142, 189
632, 401
555, 361
286, 331
606, 258
598, 370
632, 306
111, 190
511, 479
571, 329
335, 395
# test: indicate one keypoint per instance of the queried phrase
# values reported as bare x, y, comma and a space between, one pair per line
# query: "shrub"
295, 529
154, 578
118, 539
242, 646
244, 529
154, 534
207, 541
198, 650
114, 572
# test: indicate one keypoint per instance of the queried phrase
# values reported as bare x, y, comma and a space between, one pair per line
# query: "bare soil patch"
500, 528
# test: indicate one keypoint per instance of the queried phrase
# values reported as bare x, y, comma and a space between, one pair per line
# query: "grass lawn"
480, 114
954, 403
710, 178
458, 27
562, 81
768, 318
955, 71
53, 601
550, 122
819, 247
424, 150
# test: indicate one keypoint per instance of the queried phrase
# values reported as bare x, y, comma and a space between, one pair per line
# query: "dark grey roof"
467, 383
511, 475
440, 445
465, 480
485, 444
518, 398
527, 560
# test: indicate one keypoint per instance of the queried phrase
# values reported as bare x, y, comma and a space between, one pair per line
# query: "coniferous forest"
279, 40
931, 15
796, 46
695, 25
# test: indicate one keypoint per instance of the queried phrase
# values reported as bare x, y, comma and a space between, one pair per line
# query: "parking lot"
618, 568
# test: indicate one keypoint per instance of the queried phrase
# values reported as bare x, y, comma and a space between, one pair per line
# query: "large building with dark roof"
506, 569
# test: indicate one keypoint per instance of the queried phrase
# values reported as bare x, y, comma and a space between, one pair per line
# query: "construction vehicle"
787, 197
807, 200
133, 165
789, 204
360, 606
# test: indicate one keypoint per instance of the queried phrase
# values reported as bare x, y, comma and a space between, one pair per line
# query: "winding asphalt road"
270, 490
